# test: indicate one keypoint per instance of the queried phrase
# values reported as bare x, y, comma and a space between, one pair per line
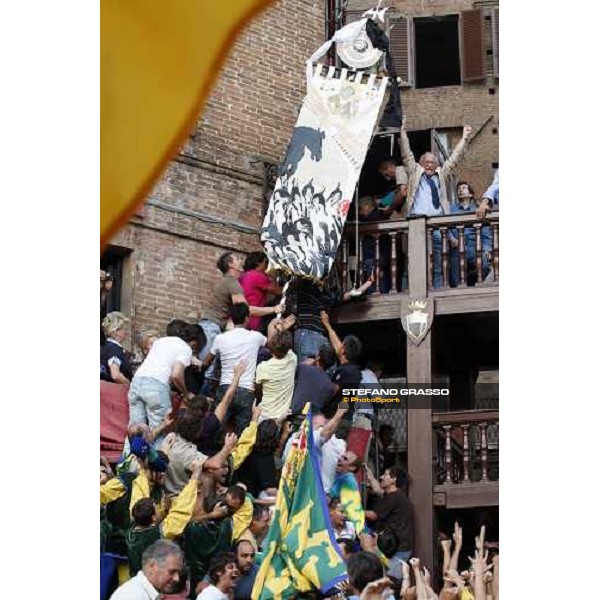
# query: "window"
437, 57
444, 50
113, 261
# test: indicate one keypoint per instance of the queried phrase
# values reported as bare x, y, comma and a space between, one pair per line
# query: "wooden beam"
418, 370
417, 265
420, 453
447, 302
467, 495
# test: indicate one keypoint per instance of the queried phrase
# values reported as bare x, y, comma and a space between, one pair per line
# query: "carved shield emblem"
417, 317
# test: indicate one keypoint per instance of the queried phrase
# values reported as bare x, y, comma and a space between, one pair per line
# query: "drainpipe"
332, 9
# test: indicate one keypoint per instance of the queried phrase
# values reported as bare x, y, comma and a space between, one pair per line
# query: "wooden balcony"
466, 458
384, 248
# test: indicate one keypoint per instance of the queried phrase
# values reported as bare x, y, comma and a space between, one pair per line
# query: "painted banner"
315, 185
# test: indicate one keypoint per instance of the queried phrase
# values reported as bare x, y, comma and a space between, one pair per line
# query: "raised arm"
363, 288
238, 371
333, 336
458, 152
408, 158
242, 449
458, 540
479, 567
286, 431
140, 487
331, 426
279, 325
215, 462
375, 486
165, 425
182, 507
257, 311
496, 581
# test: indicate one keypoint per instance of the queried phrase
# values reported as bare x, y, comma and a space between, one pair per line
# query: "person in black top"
392, 513
311, 300
347, 374
258, 470
114, 363
312, 382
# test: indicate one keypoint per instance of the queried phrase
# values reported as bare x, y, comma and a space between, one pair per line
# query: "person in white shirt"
224, 572
234, 346
150, 392
364, 412
330, 446
162, 568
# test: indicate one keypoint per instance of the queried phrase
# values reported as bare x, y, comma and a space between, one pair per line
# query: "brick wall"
251, 112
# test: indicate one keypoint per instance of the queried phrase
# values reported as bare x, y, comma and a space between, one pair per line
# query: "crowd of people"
190, 500
215, 406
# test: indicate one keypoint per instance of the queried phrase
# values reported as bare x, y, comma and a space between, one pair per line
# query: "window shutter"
399, 33
352, 15
472, 45
496, 40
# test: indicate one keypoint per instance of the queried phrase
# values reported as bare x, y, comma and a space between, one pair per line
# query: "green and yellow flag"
300, 550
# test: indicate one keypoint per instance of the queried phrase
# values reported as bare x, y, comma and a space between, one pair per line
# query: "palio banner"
303, 226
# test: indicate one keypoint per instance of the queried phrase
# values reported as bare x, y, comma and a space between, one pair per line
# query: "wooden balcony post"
359, 259
394, 266
376, 291
466, 476
461, 256
444, 232
496, 253
420, 434
448, 453
429, 263
478, 252
420, 249
484, 451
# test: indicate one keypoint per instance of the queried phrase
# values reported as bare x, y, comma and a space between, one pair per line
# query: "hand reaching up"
230, 441
375, 589
239, 369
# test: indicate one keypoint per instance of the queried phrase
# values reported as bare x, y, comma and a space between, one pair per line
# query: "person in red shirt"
257, 285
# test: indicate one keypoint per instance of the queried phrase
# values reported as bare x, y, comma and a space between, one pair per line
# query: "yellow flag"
159, 59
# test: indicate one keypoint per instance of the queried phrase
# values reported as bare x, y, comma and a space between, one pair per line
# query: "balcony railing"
457, 251
466, 447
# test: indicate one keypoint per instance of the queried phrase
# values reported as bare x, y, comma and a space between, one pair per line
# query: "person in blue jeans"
466, 204
311, 298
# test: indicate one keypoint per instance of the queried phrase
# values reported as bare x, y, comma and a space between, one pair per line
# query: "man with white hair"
162, 568
427, 191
